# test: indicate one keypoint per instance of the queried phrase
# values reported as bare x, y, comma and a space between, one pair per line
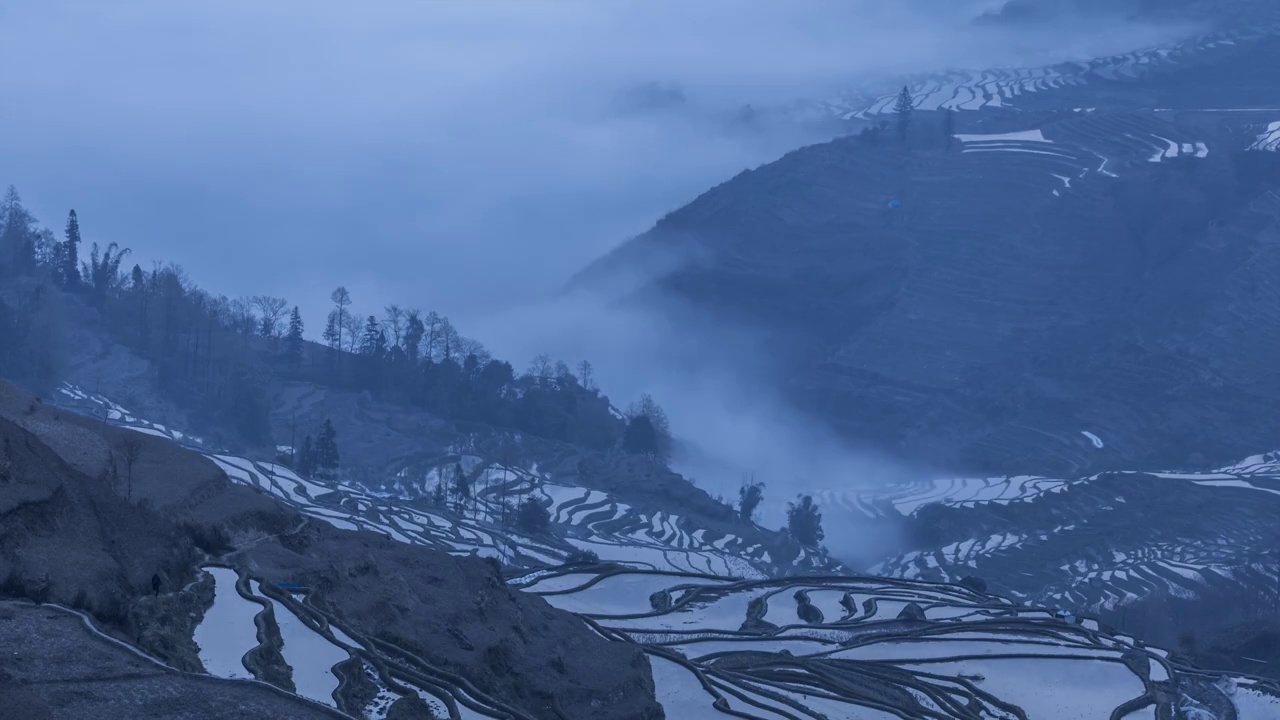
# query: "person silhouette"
155, 584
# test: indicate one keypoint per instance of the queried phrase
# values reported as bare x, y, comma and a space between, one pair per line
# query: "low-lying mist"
469, 157
718, 386
463, 156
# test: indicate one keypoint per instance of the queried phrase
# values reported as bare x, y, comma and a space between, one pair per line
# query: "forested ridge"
216, 356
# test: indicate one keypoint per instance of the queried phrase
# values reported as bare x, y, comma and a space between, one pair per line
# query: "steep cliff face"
980, 306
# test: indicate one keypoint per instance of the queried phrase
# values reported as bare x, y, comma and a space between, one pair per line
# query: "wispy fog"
459, 155
715, 382
466, 156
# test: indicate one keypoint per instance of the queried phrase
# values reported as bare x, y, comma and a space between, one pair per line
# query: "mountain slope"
766, 647
978, 307
73, 531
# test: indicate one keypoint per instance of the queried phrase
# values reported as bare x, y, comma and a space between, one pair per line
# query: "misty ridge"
530, 139
552, 360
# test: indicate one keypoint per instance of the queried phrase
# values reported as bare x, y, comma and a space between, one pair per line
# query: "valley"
1006, 343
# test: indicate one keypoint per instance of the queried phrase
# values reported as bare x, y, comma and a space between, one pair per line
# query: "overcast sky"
460, 155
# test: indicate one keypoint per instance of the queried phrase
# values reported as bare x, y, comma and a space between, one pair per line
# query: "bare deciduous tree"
341, 301
586, 375
349, 334
562, 371
394, 319
450, 341
272, 312
431, 340
541, 367
246, 323
468, 346
130, 449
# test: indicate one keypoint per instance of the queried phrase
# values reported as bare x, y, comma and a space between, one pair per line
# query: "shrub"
582, 556
532, 517
12, 585
212, 539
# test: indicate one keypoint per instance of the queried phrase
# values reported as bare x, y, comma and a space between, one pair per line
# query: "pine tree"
293, 340
440, 495
903, 108
17, 239
461, 487
948, 126
330, 333
70, 253
271, 311
372, 338
305, 463
326, 452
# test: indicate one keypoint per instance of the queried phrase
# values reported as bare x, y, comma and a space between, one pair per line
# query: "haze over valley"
640, 360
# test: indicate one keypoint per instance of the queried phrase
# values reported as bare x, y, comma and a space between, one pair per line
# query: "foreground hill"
979, 303
727, 631
82, 525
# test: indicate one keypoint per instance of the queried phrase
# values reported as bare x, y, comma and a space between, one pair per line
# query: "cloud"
717, 384
455, 154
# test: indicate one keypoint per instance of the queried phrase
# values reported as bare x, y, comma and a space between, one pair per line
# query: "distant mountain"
1014, 11
1195, 34
1106, 266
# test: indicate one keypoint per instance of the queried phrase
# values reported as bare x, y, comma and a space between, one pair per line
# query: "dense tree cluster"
419, 358
532, 517
216, 354
31, 259
750, 495
319, 458
647, 430
804, 522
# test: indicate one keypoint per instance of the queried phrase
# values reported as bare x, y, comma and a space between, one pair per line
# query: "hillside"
80, 525
723, 636
980, 302
1044, 301
57, 666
